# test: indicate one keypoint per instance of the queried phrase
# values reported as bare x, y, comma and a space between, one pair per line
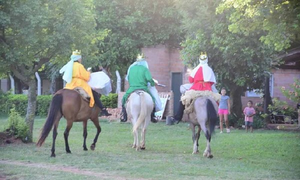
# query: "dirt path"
72, 170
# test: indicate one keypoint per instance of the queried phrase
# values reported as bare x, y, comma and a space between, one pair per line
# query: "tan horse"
74, 108
205, 112
139, 108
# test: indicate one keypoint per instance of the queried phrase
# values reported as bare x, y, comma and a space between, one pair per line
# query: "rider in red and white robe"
202, 79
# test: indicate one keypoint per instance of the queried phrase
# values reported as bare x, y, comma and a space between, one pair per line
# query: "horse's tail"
143, 112
55, 108
211, 116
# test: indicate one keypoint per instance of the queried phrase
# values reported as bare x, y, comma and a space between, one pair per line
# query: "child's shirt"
224, 102
247, 112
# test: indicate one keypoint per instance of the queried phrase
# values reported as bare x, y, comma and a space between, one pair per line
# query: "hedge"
20, 101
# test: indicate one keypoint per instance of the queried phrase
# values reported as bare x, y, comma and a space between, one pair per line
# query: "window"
257, 92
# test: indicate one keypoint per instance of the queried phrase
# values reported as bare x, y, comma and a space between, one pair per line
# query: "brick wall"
162, 62
281, 77
284, 77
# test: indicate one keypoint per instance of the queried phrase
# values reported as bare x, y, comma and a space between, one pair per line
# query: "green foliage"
277, 20
19, 103
110, 101
281, 108
258, 121
43, 104
238, 60
132, 25
294, 93
17, 125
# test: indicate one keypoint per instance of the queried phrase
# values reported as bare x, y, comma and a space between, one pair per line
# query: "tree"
33, 33
133, 24
278, 20
239, 60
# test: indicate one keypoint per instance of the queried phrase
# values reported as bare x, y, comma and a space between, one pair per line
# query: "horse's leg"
66, 134
136, 143
194, 138
135, 133
54, 138
84, 135
143, 136
197, 138
96, 123
207, 151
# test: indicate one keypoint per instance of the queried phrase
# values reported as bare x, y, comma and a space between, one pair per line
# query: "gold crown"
140, 57
203, 56
76, 52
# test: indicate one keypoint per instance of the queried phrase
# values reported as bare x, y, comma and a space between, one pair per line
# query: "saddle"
138, 91
83, 93
190, 96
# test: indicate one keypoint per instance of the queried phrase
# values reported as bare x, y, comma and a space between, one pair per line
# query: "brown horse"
74, 108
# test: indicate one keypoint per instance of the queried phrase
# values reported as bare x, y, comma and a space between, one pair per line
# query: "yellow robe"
80, 78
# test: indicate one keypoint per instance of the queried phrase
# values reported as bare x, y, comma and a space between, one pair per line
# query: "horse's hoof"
210, 156
52, 155
85, 149
92, 147
197, 152
69, 152
133, 146
143, 148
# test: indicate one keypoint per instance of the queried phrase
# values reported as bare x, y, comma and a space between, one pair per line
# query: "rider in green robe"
138, 76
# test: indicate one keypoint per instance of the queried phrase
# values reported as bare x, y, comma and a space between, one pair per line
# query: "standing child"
249, 112
224, 110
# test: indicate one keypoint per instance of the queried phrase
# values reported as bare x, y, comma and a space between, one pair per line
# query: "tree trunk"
267, 98
236, 103
31, 107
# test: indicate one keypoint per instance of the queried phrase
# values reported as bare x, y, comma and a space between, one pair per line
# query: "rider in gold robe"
77, 76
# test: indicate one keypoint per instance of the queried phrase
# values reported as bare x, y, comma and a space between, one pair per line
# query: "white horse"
139, 107
205, 112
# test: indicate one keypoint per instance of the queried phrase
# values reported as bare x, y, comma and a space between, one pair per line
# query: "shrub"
43, 104
110, 101
16, 125
294, 93
281, 108
20, 101
258, 122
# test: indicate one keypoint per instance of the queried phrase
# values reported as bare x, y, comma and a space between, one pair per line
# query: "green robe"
138, 78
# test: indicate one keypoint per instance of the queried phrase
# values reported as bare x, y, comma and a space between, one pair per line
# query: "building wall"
163, 61
284, 78
281, 78
4, 85
46, 86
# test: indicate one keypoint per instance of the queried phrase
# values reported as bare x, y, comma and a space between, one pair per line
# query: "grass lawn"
261, 155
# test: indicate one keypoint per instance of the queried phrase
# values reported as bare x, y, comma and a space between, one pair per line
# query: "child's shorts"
223, 111
248, 123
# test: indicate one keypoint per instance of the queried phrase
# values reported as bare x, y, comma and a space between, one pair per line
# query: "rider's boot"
98, 102
153, 116
104, 112
123, 117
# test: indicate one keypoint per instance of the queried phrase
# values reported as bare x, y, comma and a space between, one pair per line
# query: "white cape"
100, 82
